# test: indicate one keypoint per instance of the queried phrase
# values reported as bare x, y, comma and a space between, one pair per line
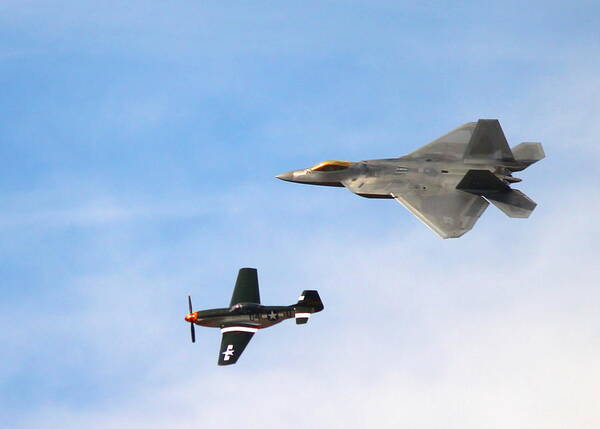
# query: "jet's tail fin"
309, 302
487, 143
512, 202
528, 153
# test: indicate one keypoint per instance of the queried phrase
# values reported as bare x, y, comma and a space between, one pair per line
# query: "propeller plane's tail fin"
309, 302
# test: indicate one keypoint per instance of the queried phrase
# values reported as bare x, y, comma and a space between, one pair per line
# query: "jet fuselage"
375, 178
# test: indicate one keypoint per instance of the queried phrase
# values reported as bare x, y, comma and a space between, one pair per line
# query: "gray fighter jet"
446, 183
245, 315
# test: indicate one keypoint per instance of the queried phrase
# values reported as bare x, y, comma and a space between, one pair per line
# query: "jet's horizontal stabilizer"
301, 320
527, 153
481, 182
513, 203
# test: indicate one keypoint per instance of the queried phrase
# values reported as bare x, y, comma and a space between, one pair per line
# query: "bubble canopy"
331, 165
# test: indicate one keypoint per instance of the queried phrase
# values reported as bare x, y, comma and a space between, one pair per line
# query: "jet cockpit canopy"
245, 306
331, 165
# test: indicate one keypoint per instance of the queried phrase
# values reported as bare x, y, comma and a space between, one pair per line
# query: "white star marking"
272, 315
229, 352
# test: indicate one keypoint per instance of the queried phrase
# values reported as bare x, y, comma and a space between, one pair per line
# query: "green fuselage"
255, 315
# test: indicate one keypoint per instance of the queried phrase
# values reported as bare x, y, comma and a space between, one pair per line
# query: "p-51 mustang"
246, 315
447, 183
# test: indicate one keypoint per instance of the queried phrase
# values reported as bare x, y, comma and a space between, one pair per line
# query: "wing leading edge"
234, 342
488, 143
473, 142
452, 144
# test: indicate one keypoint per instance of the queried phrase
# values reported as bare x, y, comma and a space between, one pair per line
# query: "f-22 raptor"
447, 183
246, 315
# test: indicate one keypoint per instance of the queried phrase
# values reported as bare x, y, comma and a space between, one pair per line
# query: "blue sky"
138, 151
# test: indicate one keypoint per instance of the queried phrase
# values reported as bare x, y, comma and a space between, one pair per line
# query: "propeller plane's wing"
234, 341
246, 287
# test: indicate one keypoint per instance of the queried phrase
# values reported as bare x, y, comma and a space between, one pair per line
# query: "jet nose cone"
288, 177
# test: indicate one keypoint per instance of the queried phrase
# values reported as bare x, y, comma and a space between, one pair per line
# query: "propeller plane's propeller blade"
192, 329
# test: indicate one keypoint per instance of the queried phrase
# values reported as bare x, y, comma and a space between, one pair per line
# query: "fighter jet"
246, 315
447, 183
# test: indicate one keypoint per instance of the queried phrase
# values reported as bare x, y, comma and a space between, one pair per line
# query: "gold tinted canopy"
331, 165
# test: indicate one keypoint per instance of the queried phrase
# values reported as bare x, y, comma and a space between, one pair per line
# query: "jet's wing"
452, 144
234, 341
246, 287
449, 213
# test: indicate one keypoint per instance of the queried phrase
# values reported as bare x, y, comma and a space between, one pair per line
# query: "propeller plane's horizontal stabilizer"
302, 318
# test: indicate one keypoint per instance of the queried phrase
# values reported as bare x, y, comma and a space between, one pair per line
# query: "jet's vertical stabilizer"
487, 143
527, 153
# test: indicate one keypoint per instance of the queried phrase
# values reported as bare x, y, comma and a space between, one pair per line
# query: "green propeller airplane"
246, 315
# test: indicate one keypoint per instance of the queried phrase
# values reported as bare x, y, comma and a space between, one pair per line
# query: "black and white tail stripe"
238, 329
